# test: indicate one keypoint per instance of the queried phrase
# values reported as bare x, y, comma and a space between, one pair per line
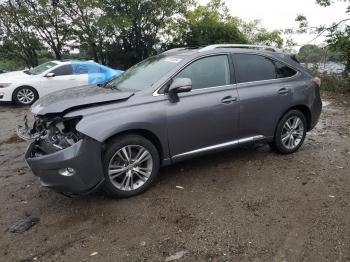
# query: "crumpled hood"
77, 97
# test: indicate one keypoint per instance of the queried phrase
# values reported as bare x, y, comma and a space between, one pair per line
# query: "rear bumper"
84, 158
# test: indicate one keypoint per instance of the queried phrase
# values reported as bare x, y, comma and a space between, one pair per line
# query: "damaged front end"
63, 158
50, 134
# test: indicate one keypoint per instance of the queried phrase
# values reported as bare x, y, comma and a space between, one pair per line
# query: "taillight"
317, 81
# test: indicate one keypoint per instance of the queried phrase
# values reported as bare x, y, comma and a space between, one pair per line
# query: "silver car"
180, 104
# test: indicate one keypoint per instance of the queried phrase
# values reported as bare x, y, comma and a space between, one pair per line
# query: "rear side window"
284, 71
208, 72
63, 70
251, 68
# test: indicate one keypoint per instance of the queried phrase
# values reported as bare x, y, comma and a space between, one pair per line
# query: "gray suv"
180, 104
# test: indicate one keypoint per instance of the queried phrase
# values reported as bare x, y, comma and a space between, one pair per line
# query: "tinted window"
208, 72
63, 70
251, 68
284, 71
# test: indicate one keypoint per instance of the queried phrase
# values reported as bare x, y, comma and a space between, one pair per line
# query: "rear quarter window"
252, 68
284, 71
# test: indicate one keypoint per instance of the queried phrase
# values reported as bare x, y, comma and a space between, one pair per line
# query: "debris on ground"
180, 187
176, 256
23, 225
93, 254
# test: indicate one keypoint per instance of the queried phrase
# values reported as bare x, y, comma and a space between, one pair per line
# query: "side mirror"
179, 85
50, 75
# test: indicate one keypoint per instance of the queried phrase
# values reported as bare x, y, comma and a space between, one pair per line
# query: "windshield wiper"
27, 72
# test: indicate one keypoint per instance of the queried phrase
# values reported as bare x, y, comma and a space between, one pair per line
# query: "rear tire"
131, 164
25, 96
290, 133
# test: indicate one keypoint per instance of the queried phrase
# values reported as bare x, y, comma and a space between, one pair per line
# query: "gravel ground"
247, 204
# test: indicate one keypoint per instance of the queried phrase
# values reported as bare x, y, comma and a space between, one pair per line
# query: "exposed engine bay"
50, 134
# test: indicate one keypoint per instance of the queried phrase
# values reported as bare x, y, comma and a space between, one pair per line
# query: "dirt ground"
247, 204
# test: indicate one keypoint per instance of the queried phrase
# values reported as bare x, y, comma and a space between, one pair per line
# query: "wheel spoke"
125, 153
285, 137
145, 174
144, 156
296, 123
287, 125
113, 173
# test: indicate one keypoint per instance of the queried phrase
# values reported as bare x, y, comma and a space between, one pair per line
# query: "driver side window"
208, 72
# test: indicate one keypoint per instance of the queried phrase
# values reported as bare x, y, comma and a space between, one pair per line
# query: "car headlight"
2, 85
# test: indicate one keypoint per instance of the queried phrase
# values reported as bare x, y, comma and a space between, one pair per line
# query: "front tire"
25, 96
290, 132
131, 164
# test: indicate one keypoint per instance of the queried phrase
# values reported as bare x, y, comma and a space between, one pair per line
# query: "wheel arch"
149, 135
304, 110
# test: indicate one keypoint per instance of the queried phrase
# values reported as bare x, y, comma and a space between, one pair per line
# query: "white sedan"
24, 87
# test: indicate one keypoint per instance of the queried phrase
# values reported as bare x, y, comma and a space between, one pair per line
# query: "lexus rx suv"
180, 104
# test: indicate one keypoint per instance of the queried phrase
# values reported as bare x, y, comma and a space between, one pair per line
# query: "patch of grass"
332, 82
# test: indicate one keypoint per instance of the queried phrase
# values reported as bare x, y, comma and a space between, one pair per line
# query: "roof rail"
259, 47
174, 50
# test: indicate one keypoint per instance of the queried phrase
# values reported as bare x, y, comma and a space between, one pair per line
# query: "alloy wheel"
130, 167
292, 132
25, 96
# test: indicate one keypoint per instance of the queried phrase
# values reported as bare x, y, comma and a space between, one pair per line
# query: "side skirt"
218, 147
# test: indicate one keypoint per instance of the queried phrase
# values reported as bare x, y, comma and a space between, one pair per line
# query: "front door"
207, 117
63, 78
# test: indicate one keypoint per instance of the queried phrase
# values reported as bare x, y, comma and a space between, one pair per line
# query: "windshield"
144, 74
42, 68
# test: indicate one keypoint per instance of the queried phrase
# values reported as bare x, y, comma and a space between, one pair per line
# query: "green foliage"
17, 40
118, 33
339, 40
338, 34
310, 54
209, 24
12, 64
256, 34
332, 82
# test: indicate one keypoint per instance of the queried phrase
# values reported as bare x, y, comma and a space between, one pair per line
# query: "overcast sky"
280, 14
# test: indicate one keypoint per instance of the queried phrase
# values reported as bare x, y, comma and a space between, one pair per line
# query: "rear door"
207, 117
265, 90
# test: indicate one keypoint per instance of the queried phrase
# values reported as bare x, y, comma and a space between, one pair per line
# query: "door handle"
283, 91
228, 100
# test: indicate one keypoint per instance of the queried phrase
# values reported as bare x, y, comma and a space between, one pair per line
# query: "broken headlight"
51, 134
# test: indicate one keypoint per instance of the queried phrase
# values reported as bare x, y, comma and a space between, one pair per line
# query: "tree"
207, 24
337, 34
310, 54
18, 41
137, 27
89, 25
256, 34
49, 23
